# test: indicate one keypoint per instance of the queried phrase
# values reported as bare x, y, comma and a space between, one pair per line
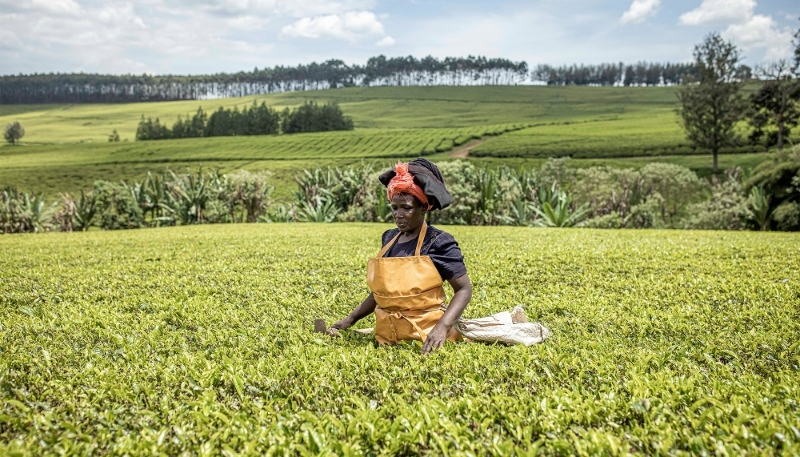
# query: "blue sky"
208, 36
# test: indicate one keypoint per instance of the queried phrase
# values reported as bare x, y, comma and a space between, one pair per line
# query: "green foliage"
779, 178
711, 109
561, 213
22, 212
251, 192
118, 206
13, 132
322, 208
775, 105
114, 137
726, 209
787, 216
255, 120
311, 117
677, 186
76, 213
199, 341
759, 203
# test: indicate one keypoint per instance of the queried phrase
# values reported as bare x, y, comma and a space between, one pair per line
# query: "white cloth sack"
506, 327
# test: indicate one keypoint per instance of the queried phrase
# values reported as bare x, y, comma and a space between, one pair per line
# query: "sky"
212, 36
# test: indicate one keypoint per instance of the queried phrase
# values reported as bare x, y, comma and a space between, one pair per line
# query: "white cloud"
295, 8
53, 6
719, 11
761, 32
350, 26
745, 28
640, 10
385, 41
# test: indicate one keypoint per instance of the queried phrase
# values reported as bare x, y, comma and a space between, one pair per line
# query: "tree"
796, 43
114, 137
775, 103
14, 132
711, 107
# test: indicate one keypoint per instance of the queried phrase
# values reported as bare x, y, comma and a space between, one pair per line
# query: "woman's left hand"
435, 339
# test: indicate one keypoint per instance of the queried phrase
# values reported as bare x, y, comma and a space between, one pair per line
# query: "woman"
406, 277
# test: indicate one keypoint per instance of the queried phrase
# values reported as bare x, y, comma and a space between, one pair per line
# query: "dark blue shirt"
439, 245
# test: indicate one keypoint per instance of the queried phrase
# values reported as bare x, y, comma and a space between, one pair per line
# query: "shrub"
22, 212
75, 214
727, 209
250, 192
787, 216
676, 186
13, 132
117, 208
608, 221
608, 190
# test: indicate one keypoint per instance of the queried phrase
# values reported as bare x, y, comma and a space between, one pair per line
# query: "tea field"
65, 147
198, 339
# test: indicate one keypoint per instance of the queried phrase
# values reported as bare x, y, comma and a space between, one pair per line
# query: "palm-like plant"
189, 195
321, 209
158, 199
549, 195
22, 212
76, 213
759, 201
561, 214
383, 208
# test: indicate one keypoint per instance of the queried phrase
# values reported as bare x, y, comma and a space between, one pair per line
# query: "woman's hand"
343, 324
363, 310
435, 339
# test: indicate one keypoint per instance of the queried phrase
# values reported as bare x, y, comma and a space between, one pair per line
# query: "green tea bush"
197, 341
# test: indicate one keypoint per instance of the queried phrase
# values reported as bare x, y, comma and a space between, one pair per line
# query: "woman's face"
408, 212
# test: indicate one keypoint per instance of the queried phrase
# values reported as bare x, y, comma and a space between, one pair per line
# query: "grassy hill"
66, 148
378, 107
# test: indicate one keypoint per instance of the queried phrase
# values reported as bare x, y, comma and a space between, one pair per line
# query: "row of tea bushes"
198, 342
556, 195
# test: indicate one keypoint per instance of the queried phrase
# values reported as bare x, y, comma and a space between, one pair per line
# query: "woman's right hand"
341, 325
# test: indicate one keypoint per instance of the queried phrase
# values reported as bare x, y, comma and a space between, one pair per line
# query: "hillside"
66, 148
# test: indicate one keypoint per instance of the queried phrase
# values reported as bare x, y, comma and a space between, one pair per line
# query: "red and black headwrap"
420, 178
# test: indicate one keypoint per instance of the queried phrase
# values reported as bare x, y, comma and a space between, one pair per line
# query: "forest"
331, 74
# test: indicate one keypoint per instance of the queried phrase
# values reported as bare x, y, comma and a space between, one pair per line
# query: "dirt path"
463, 151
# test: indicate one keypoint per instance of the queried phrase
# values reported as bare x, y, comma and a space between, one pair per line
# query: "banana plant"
189, 196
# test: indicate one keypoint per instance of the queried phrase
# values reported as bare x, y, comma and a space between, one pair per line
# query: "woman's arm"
462, 288
363, 310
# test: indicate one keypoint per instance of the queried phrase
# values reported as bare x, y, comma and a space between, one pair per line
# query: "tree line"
378, 71
620, 74
255, 120
331, 74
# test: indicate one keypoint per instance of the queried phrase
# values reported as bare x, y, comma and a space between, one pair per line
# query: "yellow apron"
409, 294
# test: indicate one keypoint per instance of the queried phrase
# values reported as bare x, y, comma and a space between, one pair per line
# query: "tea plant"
198, 340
